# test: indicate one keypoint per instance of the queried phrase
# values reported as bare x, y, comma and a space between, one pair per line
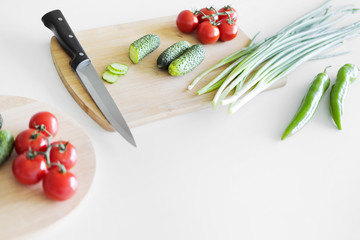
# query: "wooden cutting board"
145, 93
24, 209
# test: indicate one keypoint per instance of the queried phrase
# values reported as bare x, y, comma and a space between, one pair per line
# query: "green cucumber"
110, 77
187, 61
118, 68
6, 143
143, 46
171, 53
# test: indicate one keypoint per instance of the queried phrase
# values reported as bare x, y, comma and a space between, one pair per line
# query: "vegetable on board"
143, 46
113, 71
171, 53
187, 61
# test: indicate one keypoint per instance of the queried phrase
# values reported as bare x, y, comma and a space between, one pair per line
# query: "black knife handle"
57, 23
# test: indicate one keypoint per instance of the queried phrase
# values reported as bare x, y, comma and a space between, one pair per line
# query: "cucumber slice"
171, 53
187, 61
118, 68
110, 77
143, 46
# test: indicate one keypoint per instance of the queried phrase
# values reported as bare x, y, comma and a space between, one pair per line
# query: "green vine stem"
62, 168
42, 128
46, 154
211, 17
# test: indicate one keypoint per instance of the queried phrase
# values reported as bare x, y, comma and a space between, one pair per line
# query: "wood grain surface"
24, 209
145, 93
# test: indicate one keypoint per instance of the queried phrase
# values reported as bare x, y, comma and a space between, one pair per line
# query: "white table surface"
203, 175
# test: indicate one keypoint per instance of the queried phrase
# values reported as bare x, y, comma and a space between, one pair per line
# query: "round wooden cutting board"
25, 209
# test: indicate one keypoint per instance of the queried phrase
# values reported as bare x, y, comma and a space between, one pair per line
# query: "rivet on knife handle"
57, 23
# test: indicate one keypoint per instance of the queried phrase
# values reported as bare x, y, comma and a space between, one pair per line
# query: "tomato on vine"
208, 33
29, 167
60, 184
63, 152
187, 21
207, 14
45, 122
228, 30
227, 12
30, 138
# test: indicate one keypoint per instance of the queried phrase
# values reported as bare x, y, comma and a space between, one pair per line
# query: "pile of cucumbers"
6, 143
180, 58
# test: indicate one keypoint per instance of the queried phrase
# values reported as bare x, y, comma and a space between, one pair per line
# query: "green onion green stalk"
256, 67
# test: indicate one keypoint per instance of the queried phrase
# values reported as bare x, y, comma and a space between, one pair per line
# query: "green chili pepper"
308, 104
345, 76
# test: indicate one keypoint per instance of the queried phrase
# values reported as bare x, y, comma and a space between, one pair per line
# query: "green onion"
256, 67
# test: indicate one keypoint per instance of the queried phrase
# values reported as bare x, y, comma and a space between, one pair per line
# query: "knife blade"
85, 71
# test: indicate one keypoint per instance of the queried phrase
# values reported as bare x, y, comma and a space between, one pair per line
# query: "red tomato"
30, 138
227, 31
207, 11
47, 120
60, 186
63, 152
208, 33
232, 13
29, 168
186, 21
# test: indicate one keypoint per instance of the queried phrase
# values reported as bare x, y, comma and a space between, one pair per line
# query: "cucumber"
113, 71
187, 61
6, 145
143, 46
118, 68
110, 77
171, 53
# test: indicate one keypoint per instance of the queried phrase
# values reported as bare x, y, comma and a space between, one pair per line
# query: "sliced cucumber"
110, 77
171, 53
143, 46
187, 61
118, 68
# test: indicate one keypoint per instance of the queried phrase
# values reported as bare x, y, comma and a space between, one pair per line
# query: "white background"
204, 175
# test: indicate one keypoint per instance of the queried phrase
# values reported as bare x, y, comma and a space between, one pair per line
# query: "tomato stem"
230, 20
62, 168
42, 128
31, 154
34, 135
47, 152
62, 146
211, 17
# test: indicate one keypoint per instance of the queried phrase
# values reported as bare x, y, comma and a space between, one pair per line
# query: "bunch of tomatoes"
39, 159
210, 24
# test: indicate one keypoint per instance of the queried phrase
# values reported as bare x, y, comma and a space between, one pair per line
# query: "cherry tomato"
29, 168
63, 152
207, 11
30, 138
47, 120
58, 185
208, 33
233, 15
227, 31
187, 21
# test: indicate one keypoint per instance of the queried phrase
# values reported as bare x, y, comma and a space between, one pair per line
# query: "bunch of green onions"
256, 67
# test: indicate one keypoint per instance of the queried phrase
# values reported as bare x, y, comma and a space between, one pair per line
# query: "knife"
86, 72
